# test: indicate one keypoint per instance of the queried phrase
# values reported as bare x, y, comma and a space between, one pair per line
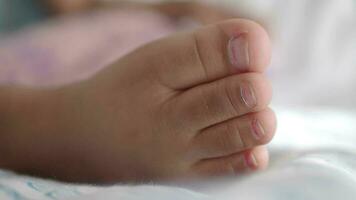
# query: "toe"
211, 53
234, 135
235, 164
215, 102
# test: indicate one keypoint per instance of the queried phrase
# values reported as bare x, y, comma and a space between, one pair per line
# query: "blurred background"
53, 42
16, 14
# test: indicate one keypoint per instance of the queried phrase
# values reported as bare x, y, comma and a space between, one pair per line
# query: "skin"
147, 117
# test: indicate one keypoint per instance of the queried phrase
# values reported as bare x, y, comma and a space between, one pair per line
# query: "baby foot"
189, 105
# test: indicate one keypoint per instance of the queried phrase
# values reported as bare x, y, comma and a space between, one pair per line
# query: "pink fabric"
72, 48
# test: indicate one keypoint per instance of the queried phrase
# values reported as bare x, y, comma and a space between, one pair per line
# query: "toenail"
250, 160
238, 52
257, 129
248, 96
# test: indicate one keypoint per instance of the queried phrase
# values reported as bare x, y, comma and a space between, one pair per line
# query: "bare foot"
189, 105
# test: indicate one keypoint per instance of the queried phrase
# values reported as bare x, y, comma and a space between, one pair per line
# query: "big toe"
211, 53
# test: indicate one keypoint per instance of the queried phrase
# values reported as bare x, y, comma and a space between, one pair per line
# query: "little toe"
235, 164
211, 53
234, 135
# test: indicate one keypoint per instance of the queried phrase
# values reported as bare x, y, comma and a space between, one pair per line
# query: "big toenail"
250, 160
248, 96
238, 52
257, 129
